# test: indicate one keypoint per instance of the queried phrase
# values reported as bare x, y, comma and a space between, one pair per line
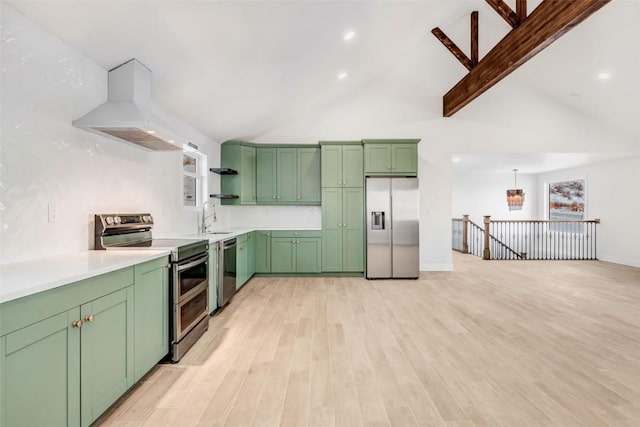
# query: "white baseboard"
623, 261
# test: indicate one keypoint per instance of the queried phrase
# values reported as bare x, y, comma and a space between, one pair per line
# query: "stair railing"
526, 239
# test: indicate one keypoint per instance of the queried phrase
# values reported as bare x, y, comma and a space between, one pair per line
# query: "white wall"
479, 194
613, 197
45, 85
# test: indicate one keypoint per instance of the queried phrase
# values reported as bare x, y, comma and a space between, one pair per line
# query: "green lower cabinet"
251, 254
283, 255
106, 352
242, 256
296, 254
40, 373
263, 251
308, 255
151, 328
213, 277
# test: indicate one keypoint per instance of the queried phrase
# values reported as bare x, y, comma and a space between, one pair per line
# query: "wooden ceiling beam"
505, 11
474, 38
521, 9
453, 48
548, 22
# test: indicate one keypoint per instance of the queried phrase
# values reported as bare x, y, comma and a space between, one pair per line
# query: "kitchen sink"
218, 232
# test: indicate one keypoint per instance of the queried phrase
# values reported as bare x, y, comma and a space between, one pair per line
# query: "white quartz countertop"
25, 278
216, 235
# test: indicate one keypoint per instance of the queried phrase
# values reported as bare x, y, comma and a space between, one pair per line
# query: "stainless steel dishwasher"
226, 271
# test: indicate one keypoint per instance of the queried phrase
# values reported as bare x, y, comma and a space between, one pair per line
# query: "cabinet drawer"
296, 233
26, 311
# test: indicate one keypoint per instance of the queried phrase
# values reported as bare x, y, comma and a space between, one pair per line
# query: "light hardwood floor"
495, 343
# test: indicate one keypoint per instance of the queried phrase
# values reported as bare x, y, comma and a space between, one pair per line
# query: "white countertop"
235, 232
25, 278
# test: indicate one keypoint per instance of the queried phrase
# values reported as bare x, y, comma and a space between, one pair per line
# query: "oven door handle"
193, 263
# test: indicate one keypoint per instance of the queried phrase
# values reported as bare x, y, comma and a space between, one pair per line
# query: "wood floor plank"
541, 344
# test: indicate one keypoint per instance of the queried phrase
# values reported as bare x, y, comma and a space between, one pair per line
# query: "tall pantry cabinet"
342, 207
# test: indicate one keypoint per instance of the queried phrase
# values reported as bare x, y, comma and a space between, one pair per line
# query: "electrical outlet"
53, 215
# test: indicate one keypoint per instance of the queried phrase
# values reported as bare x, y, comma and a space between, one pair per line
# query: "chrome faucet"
203, 223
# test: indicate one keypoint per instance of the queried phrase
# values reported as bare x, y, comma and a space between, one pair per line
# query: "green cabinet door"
251, 254
151, 326
331, 165
283, 259
404, 158
266, 166
242, 275
241, 158
106, 352
353, 229
248, 178
308, 175
263, 251
213, 276
377, 158
286, 175
308, 255
40, 373
332, 229
352, 166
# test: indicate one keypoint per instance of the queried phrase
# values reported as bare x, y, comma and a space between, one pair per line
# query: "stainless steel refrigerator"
392, 228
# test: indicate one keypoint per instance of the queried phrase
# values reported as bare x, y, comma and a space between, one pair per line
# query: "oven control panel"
124, 220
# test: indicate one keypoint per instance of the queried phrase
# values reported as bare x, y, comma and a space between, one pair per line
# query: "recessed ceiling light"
350, 34
455, 159
171, 141
151, 132
604, 76
343, 75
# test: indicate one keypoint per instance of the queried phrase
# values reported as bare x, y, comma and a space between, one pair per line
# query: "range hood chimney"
127, 113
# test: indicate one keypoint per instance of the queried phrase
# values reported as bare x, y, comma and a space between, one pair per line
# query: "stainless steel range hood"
127, 113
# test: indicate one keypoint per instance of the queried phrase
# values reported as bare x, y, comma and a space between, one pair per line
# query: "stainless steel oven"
188, 308
190, 298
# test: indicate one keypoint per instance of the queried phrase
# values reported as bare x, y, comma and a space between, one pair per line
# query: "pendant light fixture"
515, 197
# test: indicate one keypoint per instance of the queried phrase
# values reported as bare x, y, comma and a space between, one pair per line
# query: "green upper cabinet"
266, 165
151, 326
288, 175
391, 157
242, 158
308, 175
342, 164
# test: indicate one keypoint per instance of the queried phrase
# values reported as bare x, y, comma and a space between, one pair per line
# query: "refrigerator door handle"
377, 220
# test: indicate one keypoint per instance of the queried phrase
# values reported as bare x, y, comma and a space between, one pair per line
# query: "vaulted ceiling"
240, 68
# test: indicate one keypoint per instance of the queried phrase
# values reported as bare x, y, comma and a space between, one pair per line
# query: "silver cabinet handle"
298, 197
298, 241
